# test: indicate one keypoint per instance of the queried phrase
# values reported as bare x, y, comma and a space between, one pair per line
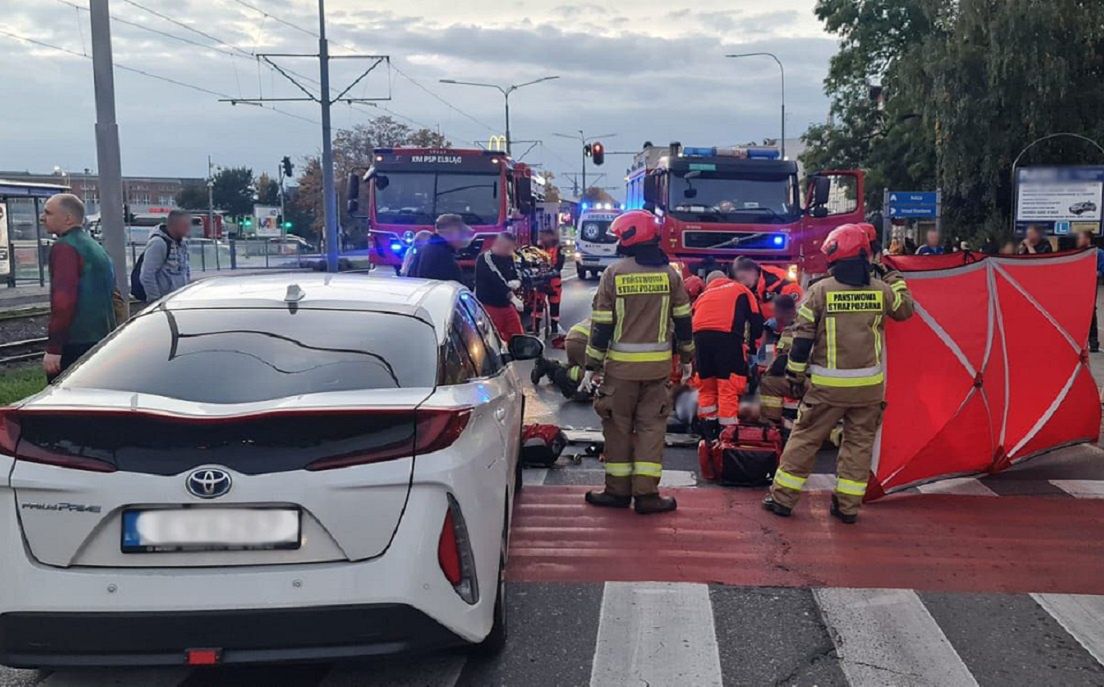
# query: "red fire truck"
408, 188
717, 204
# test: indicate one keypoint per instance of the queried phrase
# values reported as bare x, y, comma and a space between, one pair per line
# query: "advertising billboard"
268, 220
1060, 200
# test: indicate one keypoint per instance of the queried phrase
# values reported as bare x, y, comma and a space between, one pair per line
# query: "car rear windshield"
249, 355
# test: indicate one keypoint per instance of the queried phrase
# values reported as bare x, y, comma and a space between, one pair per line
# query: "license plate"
210, 529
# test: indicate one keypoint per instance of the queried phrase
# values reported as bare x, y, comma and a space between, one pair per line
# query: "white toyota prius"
278, 467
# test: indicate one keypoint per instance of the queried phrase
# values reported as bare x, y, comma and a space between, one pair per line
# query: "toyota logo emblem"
208, 483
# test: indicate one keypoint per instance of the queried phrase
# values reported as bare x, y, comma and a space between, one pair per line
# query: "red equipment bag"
744, 456
541, 444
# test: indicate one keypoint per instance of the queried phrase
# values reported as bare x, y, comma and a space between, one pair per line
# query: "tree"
594, 194
428, 138
353, 154
192, 197
551, 191
268, 190
233, 191
965, 86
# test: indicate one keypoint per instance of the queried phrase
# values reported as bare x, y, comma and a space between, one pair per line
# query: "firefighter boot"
845, 518
607, 500
654, 503
777, 508
541, 367
710, 430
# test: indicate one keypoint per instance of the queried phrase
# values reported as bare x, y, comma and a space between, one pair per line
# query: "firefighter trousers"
775, 399
634, 427
814, 423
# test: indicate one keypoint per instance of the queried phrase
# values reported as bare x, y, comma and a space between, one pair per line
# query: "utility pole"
107, 145
325, 101
211, 199
584, 142
283, 217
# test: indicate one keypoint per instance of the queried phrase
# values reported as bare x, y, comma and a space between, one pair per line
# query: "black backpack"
136, 288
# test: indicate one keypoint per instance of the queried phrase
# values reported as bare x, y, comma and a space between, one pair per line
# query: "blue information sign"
913, 204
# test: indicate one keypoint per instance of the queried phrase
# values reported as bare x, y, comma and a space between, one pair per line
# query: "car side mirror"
381, 181
352, 192
525, 347
819, 211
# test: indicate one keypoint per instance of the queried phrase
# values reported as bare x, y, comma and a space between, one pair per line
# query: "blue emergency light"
763, 154
699, 152
396, 247
778, 240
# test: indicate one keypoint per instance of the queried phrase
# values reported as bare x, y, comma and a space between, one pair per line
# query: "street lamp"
583, 141
782, 71
505, 91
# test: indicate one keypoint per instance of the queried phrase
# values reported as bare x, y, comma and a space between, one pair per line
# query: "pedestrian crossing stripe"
643, 283
855, 301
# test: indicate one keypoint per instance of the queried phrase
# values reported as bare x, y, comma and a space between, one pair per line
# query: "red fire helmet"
694, 286
871, 232
634, 228
846, 241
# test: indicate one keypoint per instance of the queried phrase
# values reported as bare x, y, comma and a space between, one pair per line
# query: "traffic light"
597, 152
287, 225
247, 223
286, 163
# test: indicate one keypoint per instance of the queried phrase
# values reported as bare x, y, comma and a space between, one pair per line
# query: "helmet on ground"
846, 241
542, 444
634, 228
694, 286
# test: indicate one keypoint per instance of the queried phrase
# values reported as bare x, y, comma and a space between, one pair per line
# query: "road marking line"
440, 670
568, 278
111, 677
1081, 488
1081, 615
656, 633
531, 476
888, 637
958, 486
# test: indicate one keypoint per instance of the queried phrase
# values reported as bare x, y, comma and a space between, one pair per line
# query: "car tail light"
454, 554
202, 657
434, 429
10, 431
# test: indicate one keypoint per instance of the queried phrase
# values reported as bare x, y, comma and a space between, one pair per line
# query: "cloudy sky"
645, 70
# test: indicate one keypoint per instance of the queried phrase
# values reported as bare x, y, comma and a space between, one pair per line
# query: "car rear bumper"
32, 640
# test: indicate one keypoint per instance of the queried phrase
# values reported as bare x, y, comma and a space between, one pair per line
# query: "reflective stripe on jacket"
839, 338
636, 309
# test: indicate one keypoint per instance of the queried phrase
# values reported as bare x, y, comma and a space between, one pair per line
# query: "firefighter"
549, 240
640, 302
726, 316
767, 282
567, 377
694, 287
838, 339
777, 401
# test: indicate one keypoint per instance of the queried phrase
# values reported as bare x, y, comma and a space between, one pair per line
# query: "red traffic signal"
597, 153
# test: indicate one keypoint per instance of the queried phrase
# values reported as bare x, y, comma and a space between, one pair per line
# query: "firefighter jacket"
775, 281
838, 338
636, 310
781, 342
579, 333
727, 306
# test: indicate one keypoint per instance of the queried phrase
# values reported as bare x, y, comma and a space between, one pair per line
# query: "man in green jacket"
82, 280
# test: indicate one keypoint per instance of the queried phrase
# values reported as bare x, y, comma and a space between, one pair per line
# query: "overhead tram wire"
401, 73
151, 75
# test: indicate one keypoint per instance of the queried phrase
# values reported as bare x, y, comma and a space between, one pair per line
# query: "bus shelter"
23, 248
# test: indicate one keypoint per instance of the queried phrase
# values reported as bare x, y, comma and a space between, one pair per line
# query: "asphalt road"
662, 626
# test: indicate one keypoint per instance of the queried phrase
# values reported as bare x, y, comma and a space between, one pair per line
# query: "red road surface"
924, 542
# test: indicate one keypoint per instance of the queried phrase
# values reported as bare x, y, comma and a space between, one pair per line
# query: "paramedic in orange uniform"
767, 282
550, 243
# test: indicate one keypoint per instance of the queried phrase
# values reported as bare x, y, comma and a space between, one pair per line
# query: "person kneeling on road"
838, 339
569, 377
777, 400
640, 301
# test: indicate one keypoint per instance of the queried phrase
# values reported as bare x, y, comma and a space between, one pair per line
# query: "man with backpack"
163, 266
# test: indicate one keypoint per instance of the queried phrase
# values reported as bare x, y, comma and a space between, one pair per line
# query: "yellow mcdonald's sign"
497, 143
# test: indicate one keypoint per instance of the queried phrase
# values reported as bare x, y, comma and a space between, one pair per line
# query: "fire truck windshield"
420, 197
710, 197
